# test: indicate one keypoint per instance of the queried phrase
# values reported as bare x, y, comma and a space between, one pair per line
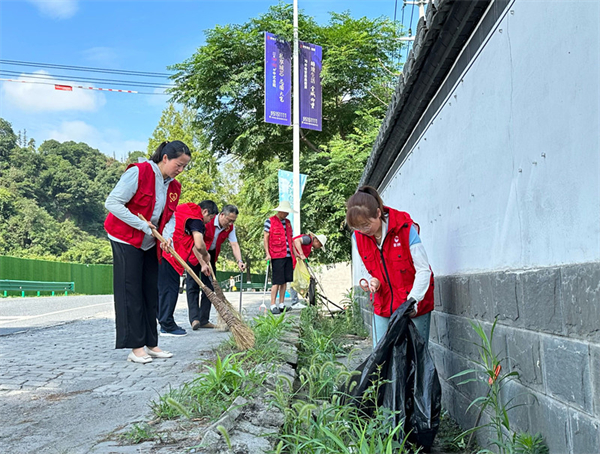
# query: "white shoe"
299, 306
162, 354
139, 359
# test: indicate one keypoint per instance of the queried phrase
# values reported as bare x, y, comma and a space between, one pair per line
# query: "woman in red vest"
148, 188
187, 229
390, 248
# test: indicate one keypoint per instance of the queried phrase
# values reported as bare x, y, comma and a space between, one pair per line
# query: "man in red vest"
187, 229
278, 248
217, 231
303, 246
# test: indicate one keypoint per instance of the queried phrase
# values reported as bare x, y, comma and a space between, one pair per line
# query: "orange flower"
496, 373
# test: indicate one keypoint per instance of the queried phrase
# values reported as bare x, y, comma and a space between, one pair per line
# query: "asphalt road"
22, 314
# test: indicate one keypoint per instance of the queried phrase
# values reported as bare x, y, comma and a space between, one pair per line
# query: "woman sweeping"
390, 247
148, 188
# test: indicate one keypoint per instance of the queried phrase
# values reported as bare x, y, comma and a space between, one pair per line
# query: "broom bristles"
242, 334
221, 324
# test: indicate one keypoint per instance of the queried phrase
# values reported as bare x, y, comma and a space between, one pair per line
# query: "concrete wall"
504, 183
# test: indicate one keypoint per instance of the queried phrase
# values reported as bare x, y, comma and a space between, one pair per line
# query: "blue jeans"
293, 294
380, 325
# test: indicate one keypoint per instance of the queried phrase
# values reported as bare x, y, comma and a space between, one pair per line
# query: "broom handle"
189, 270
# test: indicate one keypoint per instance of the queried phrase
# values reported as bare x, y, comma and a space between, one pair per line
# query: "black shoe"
275, 310
283, 309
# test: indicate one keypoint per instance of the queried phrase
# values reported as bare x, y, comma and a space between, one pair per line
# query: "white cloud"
43, 97
56, 9
109, 141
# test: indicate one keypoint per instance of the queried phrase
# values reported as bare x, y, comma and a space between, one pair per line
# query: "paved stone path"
64, 389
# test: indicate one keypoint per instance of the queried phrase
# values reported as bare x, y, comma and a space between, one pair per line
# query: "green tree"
200, 180
8, 139
223, 83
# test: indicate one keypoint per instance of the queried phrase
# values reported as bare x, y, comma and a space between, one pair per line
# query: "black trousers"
135, 276
195, 311
168, 293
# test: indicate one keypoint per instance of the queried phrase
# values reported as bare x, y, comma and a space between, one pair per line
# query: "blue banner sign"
286, 189
310, 57
278, 80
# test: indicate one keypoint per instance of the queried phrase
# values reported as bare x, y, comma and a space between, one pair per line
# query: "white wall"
476, 181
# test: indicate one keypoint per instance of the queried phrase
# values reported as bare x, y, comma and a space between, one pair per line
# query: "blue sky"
140, 35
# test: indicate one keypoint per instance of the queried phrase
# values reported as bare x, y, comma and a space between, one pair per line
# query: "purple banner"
278, 80
310, 56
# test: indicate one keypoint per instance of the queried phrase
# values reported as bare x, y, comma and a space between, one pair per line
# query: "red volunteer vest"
143, 202
278, 237
183, 242
393, 265
306, 249
210, 236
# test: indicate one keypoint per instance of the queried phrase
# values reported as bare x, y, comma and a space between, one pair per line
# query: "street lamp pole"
296, 126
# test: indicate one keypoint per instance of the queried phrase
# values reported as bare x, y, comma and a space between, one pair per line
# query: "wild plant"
490, 372
139, 433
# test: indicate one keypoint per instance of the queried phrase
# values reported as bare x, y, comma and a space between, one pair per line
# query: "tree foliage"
52, 199
223, 83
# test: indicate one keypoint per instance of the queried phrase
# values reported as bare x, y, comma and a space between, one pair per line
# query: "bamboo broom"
242, 334
221, 325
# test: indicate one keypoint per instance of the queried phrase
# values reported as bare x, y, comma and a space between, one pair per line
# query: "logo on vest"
173, 196
397, 242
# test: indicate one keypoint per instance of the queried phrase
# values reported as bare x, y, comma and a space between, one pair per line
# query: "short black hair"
210, 206
228, 209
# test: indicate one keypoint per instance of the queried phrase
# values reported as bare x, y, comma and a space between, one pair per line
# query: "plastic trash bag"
301, 278
411, 390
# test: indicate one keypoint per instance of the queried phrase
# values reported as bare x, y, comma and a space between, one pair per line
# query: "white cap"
285, 207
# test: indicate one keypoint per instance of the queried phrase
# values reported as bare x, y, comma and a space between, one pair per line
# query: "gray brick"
439, 353
595, 368
442, 326
505, 297
433, 330
585, 433
454, 364
580, 292
567, 371
551, 419
539, 301
481, 296
463, 338
445, 292
517, 399
524, 356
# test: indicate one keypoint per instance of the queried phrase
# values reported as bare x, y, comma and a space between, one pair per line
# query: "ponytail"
171, 149
363, 205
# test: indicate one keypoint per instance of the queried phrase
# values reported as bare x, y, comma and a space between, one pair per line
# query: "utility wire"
84, 79
85, 68
87, 88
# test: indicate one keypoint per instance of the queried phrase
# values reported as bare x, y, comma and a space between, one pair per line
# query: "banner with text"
310, 57
286, 190
278, 80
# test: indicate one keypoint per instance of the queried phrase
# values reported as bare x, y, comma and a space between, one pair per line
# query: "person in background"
186, 228
217, 232
390, 248
148, 188
277, 242
303, 246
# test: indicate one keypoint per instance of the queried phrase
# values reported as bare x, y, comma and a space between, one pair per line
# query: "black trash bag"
413, 392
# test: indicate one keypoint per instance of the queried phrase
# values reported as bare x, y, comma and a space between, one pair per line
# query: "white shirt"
218, 229
124, 191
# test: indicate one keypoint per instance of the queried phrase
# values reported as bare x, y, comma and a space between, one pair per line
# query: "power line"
68, 87
84, 79
85, 68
